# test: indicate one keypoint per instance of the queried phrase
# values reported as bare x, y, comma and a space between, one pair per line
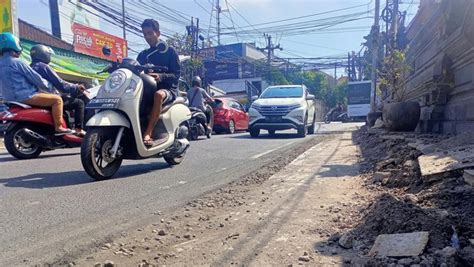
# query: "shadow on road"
11, 158
60, 179
267, 136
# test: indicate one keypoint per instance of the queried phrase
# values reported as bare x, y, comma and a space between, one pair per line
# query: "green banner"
69, 62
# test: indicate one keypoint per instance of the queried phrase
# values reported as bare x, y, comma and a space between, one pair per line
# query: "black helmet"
41, 53
196, 81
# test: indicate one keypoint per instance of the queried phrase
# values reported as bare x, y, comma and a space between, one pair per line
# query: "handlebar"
147, 68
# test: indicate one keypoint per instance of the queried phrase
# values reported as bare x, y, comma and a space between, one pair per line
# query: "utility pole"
335, 74
395, 24
270, 48
54, 14
375, 53
218, 16
123, 20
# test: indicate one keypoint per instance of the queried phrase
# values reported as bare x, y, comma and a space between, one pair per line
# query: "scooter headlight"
115, 81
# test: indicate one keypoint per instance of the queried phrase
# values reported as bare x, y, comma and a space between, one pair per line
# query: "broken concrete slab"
469, 176
400, 245
446, 161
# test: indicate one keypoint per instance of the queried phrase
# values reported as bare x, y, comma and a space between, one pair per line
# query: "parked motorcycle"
198, 124
115, 131
30, 130
334, 115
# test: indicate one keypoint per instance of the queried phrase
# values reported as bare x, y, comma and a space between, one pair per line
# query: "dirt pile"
407, 203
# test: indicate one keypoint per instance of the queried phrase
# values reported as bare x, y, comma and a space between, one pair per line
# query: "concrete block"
400, 245
469, 177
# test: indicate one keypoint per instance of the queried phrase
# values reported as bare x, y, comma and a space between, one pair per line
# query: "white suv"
283, 107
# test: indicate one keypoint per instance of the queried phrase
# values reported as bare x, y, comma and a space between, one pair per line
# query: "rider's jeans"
49, 100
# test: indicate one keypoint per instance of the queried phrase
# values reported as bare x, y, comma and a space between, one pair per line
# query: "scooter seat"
14, 103
178, 100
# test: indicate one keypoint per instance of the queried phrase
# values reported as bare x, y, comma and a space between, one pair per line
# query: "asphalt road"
49, 207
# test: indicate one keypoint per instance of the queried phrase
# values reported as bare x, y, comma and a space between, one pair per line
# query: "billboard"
73, 11
8, 19
91, 41
358, 98
221, 71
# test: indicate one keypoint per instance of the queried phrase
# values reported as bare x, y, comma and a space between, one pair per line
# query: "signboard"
221, 71
207, 53
8, 19
91, 41
73, 11
232, 51
70, 63
358, 98
248, 70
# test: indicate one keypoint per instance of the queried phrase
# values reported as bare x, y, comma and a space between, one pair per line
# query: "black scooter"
198, 125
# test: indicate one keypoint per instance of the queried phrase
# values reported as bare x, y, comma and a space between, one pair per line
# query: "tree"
182, 43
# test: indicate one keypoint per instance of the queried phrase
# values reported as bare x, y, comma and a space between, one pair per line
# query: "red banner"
91, 41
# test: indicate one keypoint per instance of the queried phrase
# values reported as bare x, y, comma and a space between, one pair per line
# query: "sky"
241, 16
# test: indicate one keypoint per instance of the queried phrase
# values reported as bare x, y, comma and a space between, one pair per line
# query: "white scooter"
115, 131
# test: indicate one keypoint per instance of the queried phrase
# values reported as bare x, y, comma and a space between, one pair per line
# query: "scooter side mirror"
106, 51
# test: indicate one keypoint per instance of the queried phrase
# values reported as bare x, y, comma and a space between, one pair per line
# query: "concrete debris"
378, 124
469, 177
446, 161
400, 245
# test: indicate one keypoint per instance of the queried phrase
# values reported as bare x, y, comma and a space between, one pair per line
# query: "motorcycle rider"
167, 82
20, 83
197, 96
69, 92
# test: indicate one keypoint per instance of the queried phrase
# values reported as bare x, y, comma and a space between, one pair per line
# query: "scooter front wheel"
95, 153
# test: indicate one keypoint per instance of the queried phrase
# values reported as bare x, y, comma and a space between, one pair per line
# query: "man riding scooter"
20, 83
167, 82
197, 96
69, 92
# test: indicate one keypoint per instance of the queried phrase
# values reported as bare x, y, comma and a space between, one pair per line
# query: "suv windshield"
282, 92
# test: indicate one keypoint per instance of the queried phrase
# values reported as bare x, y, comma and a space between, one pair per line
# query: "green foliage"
393, 74
182, 43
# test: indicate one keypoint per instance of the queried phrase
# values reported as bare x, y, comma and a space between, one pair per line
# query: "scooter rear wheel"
175, 160
18, 147
95, 155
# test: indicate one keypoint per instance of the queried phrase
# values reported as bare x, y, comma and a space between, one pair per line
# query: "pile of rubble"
425, 198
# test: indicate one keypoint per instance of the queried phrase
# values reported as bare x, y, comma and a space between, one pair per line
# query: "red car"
229, 116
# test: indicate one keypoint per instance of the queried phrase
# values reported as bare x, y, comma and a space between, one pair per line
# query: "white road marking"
271, 150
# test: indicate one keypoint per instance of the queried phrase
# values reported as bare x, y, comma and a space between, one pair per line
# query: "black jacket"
169, 59
51, 76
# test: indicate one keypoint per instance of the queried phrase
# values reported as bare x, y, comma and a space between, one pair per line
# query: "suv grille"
275, 110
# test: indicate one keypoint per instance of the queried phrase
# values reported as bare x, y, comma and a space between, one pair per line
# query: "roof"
35, 34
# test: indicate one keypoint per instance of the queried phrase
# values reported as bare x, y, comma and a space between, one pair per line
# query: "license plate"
98, 103
274, 119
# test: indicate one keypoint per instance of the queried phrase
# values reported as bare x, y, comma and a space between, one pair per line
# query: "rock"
410, 164
380, 176
467, 254
97, 264
188, 236
400, 245
471, 241
162, 232
446, 252
405, 261
410, 198
304, 258
469, 177
109, 264
334, 251
378, 124
346, 240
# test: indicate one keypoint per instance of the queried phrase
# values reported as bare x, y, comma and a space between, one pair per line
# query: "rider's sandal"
64, 132
81, 133
148, 143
